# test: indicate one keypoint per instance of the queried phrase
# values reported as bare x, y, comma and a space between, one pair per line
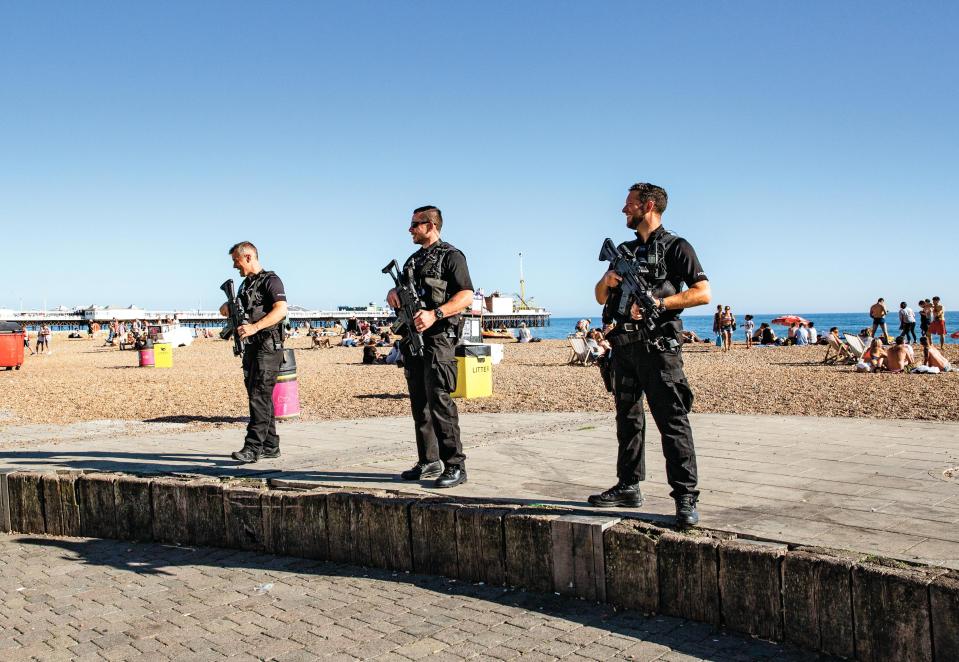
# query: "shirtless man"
938, 325
933, 357
900, 356
877, 312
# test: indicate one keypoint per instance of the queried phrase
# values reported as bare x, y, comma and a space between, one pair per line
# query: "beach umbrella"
954, 334
789, 320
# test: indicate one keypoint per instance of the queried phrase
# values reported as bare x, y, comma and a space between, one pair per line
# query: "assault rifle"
235, 319
410, 304
635, 288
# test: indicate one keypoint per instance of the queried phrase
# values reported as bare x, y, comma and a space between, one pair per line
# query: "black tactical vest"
428, 268
251, 297
653, 255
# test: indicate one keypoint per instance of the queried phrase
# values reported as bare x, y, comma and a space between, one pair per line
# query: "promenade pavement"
876, 486
81, 599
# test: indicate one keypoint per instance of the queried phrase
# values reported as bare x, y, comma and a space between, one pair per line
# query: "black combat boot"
453, 475
270, 454
619, 495
686, 513
245, 455
423, 470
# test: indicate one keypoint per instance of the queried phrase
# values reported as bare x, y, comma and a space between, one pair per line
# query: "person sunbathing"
835, 346
932, 357
900, 356
875, 356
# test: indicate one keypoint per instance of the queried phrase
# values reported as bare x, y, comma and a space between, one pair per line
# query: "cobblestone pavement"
88, 599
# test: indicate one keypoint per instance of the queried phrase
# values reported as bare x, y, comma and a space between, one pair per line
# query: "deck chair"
856, 348
580, 354
836, 349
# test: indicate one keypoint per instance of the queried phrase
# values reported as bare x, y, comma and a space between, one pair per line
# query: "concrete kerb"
837, 602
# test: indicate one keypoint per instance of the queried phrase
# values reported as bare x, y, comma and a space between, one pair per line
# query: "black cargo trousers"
431, 378
261, 365
636, 370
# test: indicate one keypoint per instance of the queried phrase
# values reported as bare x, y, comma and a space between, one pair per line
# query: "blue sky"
810, 151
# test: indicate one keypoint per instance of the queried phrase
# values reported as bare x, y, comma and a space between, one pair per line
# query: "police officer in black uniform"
443, 281
263, 299
650, 362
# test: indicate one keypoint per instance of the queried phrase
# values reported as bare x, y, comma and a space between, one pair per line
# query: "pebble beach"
85, 381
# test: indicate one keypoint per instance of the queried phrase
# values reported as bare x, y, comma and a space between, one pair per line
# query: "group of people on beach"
43, 340
932, 320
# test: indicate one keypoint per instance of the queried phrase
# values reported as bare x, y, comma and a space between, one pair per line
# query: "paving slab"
873, 486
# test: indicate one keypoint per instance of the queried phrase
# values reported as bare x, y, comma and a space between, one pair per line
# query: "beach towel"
925, 370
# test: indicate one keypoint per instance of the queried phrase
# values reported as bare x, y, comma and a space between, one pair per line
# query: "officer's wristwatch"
662, 304
439, 313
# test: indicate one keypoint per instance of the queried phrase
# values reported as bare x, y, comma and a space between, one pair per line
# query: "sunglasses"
414, 224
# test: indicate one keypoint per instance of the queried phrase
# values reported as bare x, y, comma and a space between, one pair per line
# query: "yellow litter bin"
474, 371
163, 355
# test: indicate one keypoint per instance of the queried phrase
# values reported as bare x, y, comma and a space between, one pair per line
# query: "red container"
11, 346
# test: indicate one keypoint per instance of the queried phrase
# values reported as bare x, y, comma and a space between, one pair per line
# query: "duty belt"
633, 333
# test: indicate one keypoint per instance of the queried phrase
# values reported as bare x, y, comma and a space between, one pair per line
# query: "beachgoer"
802, 335
767, 335
263, 298
877, 312
727, 322
791, 333
925, 316
900, 356
690, 336
369, 354
43, 339
835, 347
718, 322
650, 362
395, 357
749, 326
525, 335
932, 357
26, 340
907, 322
875, 355
439, 270
938, 325
349, 339
811, 332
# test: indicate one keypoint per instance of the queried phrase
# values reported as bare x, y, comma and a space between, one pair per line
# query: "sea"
560, 327
702, 325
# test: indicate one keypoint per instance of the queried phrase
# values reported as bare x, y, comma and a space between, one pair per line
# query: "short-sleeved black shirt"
682, 265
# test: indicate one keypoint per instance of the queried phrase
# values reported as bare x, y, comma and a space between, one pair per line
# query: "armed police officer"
647, 359
263, 300
442, 279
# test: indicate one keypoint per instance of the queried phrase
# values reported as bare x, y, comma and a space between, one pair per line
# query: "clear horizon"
809, 152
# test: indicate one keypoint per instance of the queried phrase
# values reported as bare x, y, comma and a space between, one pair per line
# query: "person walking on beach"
43, 339
938, 325
749, 326
877, 312
727, 322
263, 299
650, 363
442, 278
925, 317
907, 322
